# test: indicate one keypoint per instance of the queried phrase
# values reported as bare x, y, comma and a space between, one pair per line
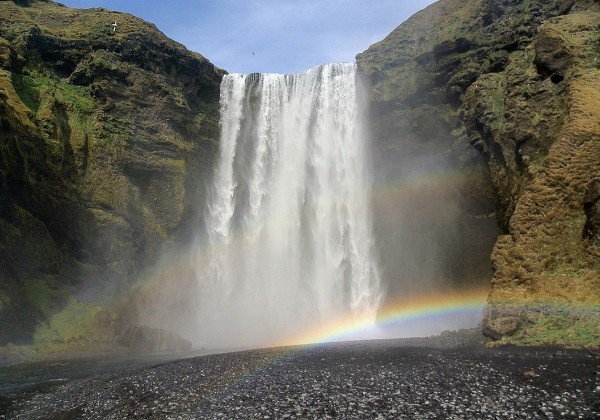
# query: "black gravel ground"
377, 379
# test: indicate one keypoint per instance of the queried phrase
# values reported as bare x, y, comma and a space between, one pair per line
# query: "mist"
313, 231
434, 224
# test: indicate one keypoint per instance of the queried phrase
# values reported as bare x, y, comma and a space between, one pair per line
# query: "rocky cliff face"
517, 82
485, 129
105, 137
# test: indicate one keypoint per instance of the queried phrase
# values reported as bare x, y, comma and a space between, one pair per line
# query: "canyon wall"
506, 94
485, 128
106, 138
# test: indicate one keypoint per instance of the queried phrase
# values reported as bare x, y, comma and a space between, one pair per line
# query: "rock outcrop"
518, 82
106, 135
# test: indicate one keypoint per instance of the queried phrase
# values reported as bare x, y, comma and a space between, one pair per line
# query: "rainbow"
434, 306
401, 318
420, 315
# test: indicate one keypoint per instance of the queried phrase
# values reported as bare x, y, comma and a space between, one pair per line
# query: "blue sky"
270, 36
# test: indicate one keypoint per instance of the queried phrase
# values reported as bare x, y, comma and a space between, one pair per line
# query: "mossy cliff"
519, 83
105, 137
485, 124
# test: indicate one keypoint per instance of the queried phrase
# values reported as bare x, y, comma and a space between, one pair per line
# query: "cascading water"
288, 219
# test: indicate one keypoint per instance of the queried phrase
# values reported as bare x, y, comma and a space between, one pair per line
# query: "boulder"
501, 327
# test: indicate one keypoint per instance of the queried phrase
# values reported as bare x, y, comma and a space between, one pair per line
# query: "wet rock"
501, 327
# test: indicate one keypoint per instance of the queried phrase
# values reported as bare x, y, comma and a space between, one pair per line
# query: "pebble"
370, 380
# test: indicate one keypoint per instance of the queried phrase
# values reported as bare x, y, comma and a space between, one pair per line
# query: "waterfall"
288, 219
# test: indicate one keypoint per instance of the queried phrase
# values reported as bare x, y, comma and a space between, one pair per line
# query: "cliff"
485, 127
106, 135
517, 82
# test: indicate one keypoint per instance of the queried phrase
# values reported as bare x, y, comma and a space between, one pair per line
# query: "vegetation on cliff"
518, 81
104, 136
485, 123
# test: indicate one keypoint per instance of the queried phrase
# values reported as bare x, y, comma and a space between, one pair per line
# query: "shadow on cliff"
431, 234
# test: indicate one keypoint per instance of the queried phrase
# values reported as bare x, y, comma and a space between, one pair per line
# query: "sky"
269, 36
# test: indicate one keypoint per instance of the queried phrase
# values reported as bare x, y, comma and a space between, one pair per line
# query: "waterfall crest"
288, 219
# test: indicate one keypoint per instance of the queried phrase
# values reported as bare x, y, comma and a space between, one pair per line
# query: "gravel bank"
377, 379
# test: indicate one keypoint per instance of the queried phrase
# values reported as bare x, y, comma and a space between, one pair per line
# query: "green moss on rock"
104, 136
77, 321
44, 295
